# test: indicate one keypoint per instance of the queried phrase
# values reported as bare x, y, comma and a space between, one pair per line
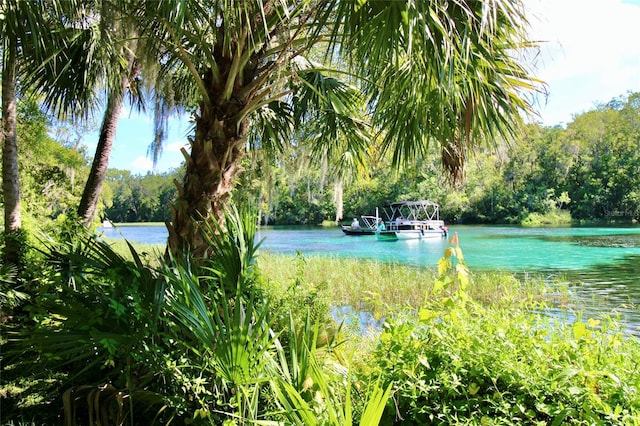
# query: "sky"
133, 137
589, 54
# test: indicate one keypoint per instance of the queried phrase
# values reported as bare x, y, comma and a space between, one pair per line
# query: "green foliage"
509, 368
49, 172
235, 339
186, 343
450, 288
312, 392
553, 218
296, 296
11, 295
19, 240
252, 372
461, 363
94, 320
139, 198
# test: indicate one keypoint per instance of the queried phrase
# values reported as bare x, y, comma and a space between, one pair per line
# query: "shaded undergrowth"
249, 339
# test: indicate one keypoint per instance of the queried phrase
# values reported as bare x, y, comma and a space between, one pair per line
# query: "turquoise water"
485, 247
601, 265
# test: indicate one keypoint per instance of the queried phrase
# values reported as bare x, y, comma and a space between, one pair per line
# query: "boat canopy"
413, 210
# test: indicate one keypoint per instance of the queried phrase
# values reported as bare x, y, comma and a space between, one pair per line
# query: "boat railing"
370, 222
405, 224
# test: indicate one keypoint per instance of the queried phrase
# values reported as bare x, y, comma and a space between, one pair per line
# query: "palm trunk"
338, 200
10, 177
93, 188
211, 170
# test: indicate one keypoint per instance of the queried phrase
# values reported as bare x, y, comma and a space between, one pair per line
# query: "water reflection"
608, 241
604, 289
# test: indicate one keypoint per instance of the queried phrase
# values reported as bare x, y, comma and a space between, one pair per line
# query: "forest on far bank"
590, 169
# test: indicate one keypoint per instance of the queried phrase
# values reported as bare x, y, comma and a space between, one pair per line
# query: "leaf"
580, 331
443, 265
375, 405
449, 252
593, 323
427, 315
463, 275
358, 4
438, 286
474, 388
559, 419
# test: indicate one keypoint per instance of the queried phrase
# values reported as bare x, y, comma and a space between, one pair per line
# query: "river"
601, 264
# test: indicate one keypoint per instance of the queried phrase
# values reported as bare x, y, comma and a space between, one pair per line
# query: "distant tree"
602, 181
47, 168
140, 198
563, 200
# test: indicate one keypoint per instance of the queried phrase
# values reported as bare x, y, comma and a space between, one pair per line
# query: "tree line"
357, 72
590, 168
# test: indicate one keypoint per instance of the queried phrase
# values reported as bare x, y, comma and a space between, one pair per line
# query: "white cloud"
176, 146
589, 52
141, 164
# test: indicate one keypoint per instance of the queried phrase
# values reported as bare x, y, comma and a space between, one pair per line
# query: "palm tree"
19, 25
94, 58
432, 71
10, 180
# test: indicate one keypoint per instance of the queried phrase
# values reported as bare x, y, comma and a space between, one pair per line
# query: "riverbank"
597, 266
452, 346
375, 286
501, 351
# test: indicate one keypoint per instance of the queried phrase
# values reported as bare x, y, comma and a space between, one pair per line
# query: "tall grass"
389, 286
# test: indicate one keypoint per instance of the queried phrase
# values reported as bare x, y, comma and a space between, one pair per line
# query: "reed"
375, 286
391, 286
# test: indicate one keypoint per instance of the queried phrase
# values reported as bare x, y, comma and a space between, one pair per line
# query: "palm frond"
439, 72
273, 125
85, 49
235, 249
102, 310
332, 109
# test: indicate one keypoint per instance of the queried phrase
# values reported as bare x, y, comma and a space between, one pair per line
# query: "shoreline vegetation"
379, 288
553, 218
448, 346
464, 348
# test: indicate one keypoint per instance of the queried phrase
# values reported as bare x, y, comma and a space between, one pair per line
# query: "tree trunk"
93, 188
211, 169
338, 200
10, 177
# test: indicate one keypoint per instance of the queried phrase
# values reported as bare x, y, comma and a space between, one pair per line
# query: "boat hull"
348, 230
409, 235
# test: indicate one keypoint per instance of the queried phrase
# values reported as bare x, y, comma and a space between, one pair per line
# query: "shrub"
461, 363
181, 343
